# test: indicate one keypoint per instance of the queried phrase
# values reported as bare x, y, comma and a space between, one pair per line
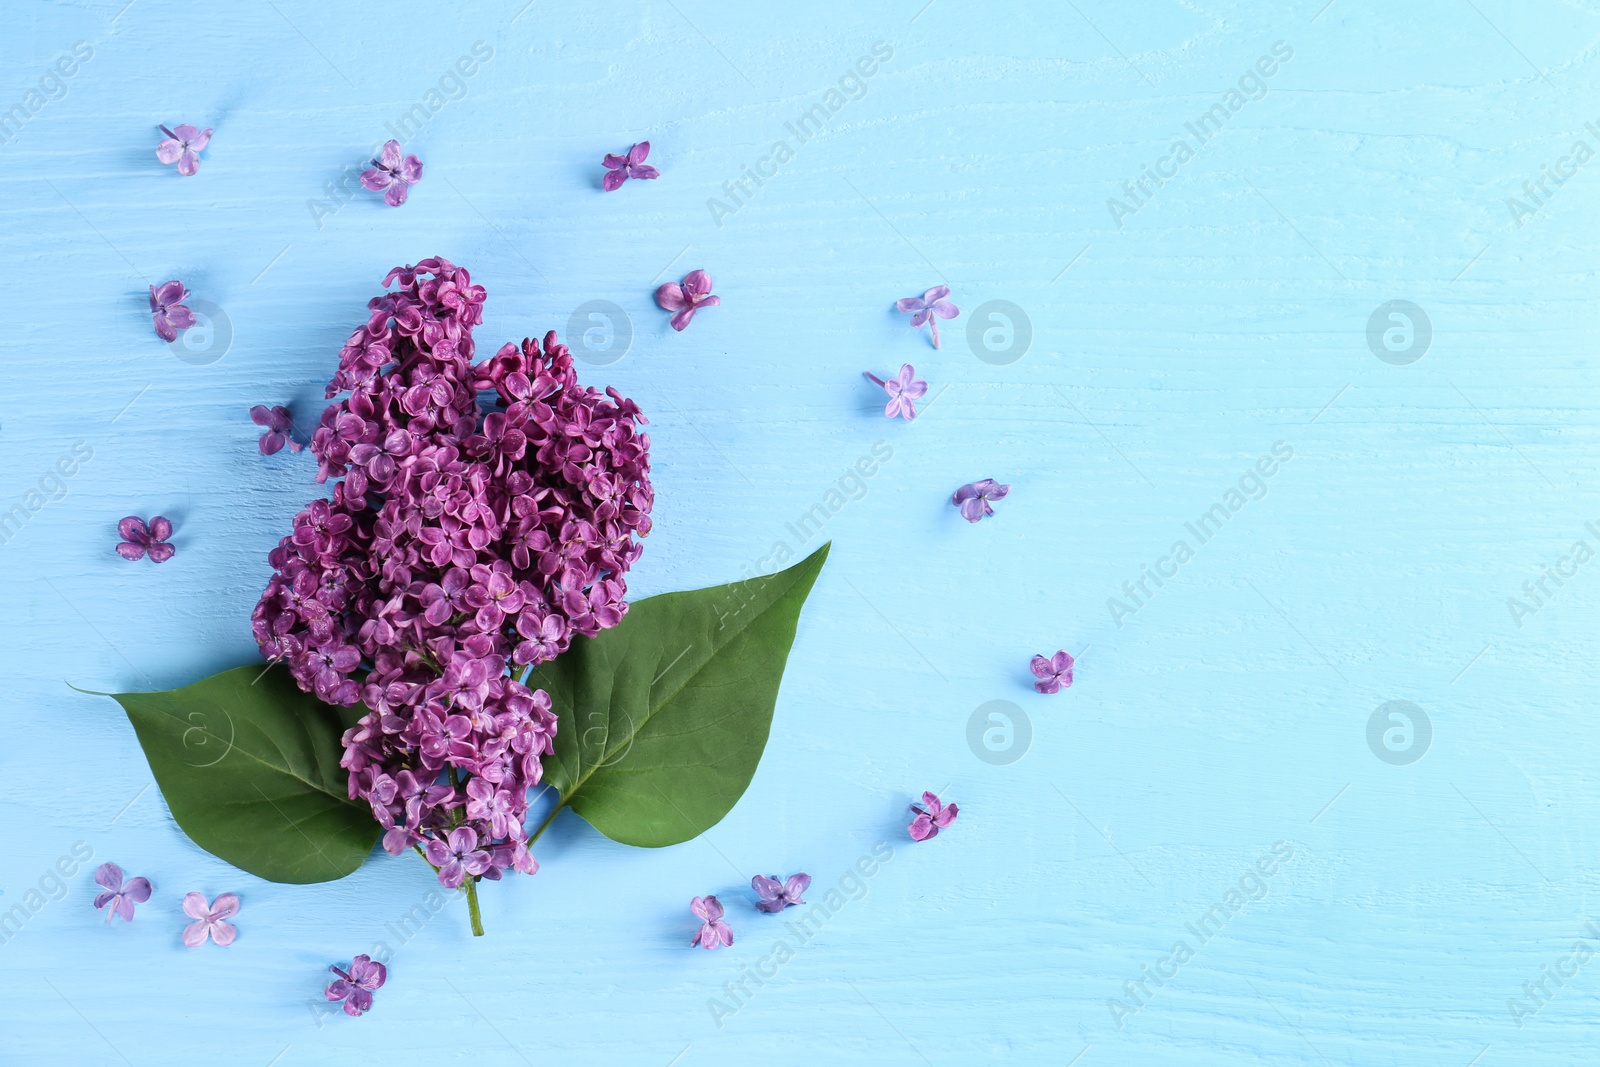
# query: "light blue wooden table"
1225, 845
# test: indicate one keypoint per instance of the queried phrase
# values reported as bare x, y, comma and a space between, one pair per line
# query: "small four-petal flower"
355, 986
118, 897
932, 818
620, 168
713, 931
208, 919
1053, 674
391, 175
168, 311
182, 146
279, 426
138, 539
973, 499
777, 895
686, 298
929, 308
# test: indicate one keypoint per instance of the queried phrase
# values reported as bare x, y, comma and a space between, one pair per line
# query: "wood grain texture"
1228, 712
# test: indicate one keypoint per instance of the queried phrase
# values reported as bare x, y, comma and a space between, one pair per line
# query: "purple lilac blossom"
973, 499
168, 310
182, 146
119, 897
279, 426
1053, 674
620, 168
356, 986
902, 390
686, 298
391, 175
713, 931
777, 895
930, 820
929, 308
137, 538
208, 919
459, 549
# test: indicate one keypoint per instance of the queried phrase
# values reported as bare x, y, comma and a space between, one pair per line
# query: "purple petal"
937, 293
180, 317
614, 162
262, 415
1040, 667
160, 552
996, 491
697, 282
187, 133
195, 933
914, 390
922, 828
767, 887
613, 180
271, 443
124, 908
199, 139
908, 304
920, 317
646, 171
103, 898
188, 164
972, 509
931, 800
110, 876
1061, 661
397, 194
671, 297
195, 906
411, 170
682, 319
128, 550
169, 150
338, 989
160, 528
390, 156
639, 152
170, 293
376, 180
1047, 685
947, 816
944, 309
797, 885
224, 933
137, 890
133, 529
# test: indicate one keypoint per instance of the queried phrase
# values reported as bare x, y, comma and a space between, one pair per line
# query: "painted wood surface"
1337, 157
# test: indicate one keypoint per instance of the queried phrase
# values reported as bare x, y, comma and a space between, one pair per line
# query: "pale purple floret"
620, 168
1053, 674
973, 499
686, 298
139, 539
776, 895
713, 931
391, 175
932, 818
929, 308
902, 389
119, 897
168, 311
462, 540
208, 919
457, 856
356, 986
279, 426
182, 146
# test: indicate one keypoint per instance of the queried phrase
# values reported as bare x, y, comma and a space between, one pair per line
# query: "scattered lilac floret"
208, 919
1054, 674
929, 308
713, 931
620, 168
930, 820
391, 175
139, 539
973, 499
182, 146
356, 986
168, 310
902, 389
279, 426
776, 895
119, 897
693, 294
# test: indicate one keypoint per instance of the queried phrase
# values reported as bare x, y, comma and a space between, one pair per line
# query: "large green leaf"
663, 717
249, 765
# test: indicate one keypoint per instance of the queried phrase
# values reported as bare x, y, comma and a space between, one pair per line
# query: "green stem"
548, 819
472, 906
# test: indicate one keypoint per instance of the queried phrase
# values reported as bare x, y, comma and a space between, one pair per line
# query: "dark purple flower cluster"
468, 540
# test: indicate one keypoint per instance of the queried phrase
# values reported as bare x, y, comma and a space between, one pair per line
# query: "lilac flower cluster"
465, 541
